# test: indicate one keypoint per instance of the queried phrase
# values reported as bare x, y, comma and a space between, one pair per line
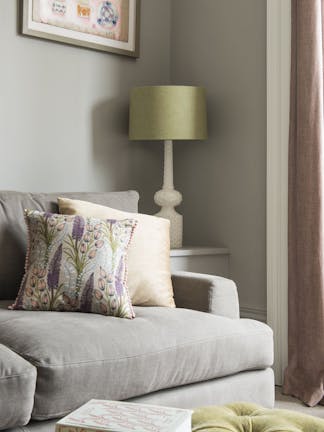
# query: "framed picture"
111, 26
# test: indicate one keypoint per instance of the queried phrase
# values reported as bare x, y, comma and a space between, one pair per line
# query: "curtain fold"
304, 376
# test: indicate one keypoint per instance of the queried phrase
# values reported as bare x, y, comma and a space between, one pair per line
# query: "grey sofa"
52, 362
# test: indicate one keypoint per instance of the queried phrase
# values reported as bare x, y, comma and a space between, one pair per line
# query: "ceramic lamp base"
176, 225
168, 198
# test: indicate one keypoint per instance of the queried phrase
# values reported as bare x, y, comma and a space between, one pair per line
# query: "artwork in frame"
111, 26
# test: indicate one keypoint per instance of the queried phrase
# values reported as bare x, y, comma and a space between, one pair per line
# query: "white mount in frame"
86, 39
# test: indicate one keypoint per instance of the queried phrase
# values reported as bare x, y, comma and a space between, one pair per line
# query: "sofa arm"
206, 293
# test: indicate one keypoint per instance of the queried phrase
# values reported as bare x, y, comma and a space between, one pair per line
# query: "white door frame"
278, 83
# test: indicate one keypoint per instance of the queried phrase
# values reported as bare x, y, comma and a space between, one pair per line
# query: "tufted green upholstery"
246, 417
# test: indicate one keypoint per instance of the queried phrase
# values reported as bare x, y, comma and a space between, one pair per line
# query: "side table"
210, 260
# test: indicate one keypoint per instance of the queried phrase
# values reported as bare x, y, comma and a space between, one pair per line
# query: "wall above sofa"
63, 110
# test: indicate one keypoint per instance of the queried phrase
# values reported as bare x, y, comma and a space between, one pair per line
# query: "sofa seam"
31, 372
105, 360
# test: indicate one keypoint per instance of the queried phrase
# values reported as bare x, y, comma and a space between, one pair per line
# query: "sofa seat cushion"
17, 388
84, 356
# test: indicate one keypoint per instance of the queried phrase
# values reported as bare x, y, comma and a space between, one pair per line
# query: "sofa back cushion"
13, 231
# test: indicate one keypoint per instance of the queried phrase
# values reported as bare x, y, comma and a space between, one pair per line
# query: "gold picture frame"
110, 26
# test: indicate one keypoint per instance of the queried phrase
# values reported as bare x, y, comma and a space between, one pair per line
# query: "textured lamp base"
168, 198
176, 219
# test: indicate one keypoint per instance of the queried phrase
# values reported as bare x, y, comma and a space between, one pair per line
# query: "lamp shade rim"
169, 138
168, 85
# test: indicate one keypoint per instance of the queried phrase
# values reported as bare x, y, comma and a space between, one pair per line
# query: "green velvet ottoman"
246, 417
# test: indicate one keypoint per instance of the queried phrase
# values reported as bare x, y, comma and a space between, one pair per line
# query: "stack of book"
113, 416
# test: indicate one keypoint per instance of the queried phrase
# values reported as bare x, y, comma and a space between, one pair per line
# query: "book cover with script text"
114, 416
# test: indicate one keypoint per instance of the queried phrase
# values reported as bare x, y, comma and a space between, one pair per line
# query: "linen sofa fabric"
17, 388
13, 232
254, 386
149, 275
206, 293
75, 263
120, 359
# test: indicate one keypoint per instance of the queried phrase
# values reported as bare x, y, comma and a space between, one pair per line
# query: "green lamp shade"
168, 113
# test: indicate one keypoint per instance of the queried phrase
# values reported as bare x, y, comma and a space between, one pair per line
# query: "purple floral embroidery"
119, 278
54, 269
86, 298
78, 228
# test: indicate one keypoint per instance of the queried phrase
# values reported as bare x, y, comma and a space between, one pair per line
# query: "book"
114, 416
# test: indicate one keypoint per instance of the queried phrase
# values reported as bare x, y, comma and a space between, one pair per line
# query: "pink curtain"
304, 377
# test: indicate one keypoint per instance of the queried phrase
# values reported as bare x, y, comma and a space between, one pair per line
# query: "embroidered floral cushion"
76, 263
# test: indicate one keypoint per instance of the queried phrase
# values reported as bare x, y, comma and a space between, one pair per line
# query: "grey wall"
221, 44
63, 110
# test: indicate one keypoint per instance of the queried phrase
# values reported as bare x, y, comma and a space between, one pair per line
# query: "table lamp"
168, 113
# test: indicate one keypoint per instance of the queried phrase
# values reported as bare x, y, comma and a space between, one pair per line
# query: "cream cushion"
149, 274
